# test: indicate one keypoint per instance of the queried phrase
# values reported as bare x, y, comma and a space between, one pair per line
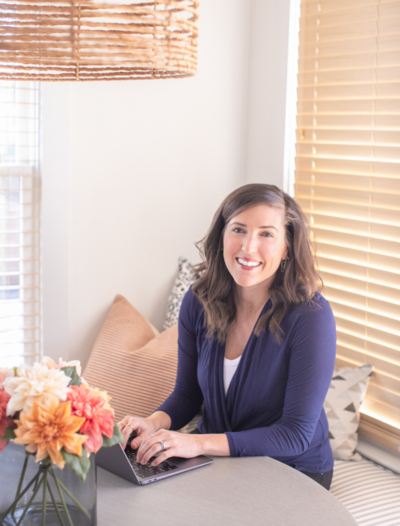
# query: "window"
19, 223
347, 180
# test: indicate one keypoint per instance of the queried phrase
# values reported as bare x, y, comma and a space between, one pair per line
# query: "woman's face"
254, 245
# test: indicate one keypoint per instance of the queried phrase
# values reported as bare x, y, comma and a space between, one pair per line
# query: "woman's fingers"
137, 442
151, 452
123, 422
149, 447
127, 426
164, 456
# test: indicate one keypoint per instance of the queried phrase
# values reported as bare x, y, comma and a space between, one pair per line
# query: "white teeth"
248, 263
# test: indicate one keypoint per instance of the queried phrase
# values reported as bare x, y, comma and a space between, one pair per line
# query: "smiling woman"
258, 223
256, 344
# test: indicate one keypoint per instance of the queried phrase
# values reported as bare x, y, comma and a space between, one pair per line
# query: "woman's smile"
248, 264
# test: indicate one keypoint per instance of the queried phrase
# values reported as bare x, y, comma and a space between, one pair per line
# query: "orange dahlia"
46, 430
98, 421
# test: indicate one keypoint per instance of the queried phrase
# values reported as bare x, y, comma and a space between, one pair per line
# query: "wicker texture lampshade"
85, 40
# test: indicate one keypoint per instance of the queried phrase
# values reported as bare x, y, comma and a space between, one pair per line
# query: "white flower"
34, 383
5, 373
48, 362
51, 364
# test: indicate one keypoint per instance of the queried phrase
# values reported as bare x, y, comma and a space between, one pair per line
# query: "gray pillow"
182, 283
342, 407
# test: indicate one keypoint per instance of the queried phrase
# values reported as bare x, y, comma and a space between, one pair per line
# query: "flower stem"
21, 480
74, 499
30, 501
61, 496
44, 498
14, 504
55, 503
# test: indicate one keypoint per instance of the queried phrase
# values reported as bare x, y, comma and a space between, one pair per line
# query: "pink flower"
5, 421
98, 420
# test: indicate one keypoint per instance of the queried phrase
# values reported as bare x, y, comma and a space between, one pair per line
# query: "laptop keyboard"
146, 470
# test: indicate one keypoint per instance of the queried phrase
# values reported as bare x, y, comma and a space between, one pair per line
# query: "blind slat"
17, 316
358, 357
374, 276
351, 137
350, 76
356, 122
353, 151
373, 293
327, 16
369, 44
349, 209
353, 166
367, 91
18, 329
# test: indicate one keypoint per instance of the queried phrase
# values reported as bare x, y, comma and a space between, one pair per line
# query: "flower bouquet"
61, 421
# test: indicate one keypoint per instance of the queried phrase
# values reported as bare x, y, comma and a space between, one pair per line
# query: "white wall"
132, 174
134, 170
269, 40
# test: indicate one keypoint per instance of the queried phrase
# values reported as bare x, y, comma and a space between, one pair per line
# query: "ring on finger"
162, 445
129, 425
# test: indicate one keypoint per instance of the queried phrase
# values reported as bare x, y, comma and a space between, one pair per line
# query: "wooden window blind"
347, 181
19, 223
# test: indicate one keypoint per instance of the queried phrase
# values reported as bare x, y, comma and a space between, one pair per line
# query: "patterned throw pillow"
131, 362
342, 407
182, 284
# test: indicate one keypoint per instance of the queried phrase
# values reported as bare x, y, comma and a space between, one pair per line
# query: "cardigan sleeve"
185, 401
310, 369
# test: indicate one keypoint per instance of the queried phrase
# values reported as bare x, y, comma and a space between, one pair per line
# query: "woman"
256, 344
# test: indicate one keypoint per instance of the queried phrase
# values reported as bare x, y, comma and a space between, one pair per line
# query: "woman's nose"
250, 244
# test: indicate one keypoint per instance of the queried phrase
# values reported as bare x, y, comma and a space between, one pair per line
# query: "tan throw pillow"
137, 369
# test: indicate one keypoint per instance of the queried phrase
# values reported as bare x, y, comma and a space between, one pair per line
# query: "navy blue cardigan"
274, 404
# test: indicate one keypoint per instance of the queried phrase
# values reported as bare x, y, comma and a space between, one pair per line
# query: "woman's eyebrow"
242, 224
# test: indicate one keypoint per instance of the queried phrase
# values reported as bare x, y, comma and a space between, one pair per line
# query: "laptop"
123, 463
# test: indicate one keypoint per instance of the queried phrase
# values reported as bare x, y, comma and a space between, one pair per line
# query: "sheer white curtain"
19, 222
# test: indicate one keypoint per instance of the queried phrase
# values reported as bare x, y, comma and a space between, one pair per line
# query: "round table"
236, 491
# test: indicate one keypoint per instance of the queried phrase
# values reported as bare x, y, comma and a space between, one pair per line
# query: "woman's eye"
267, 234
238, 230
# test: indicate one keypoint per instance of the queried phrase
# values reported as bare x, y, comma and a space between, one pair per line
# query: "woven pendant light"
87, 40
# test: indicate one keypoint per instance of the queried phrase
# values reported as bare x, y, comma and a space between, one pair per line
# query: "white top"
230, 367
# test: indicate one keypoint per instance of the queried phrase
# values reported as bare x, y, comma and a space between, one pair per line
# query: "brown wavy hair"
297, 284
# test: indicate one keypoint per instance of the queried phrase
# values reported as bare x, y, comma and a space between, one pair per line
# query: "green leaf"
71, 372
115, 439
8, 434
80, 465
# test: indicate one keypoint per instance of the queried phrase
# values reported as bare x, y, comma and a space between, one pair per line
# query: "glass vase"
38, 494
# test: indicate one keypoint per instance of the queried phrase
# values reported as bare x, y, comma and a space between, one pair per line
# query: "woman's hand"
175, 445
143, 427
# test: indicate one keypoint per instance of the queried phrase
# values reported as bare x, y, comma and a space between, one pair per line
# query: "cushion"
182, 284
369, 491
342, 407
134, 365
